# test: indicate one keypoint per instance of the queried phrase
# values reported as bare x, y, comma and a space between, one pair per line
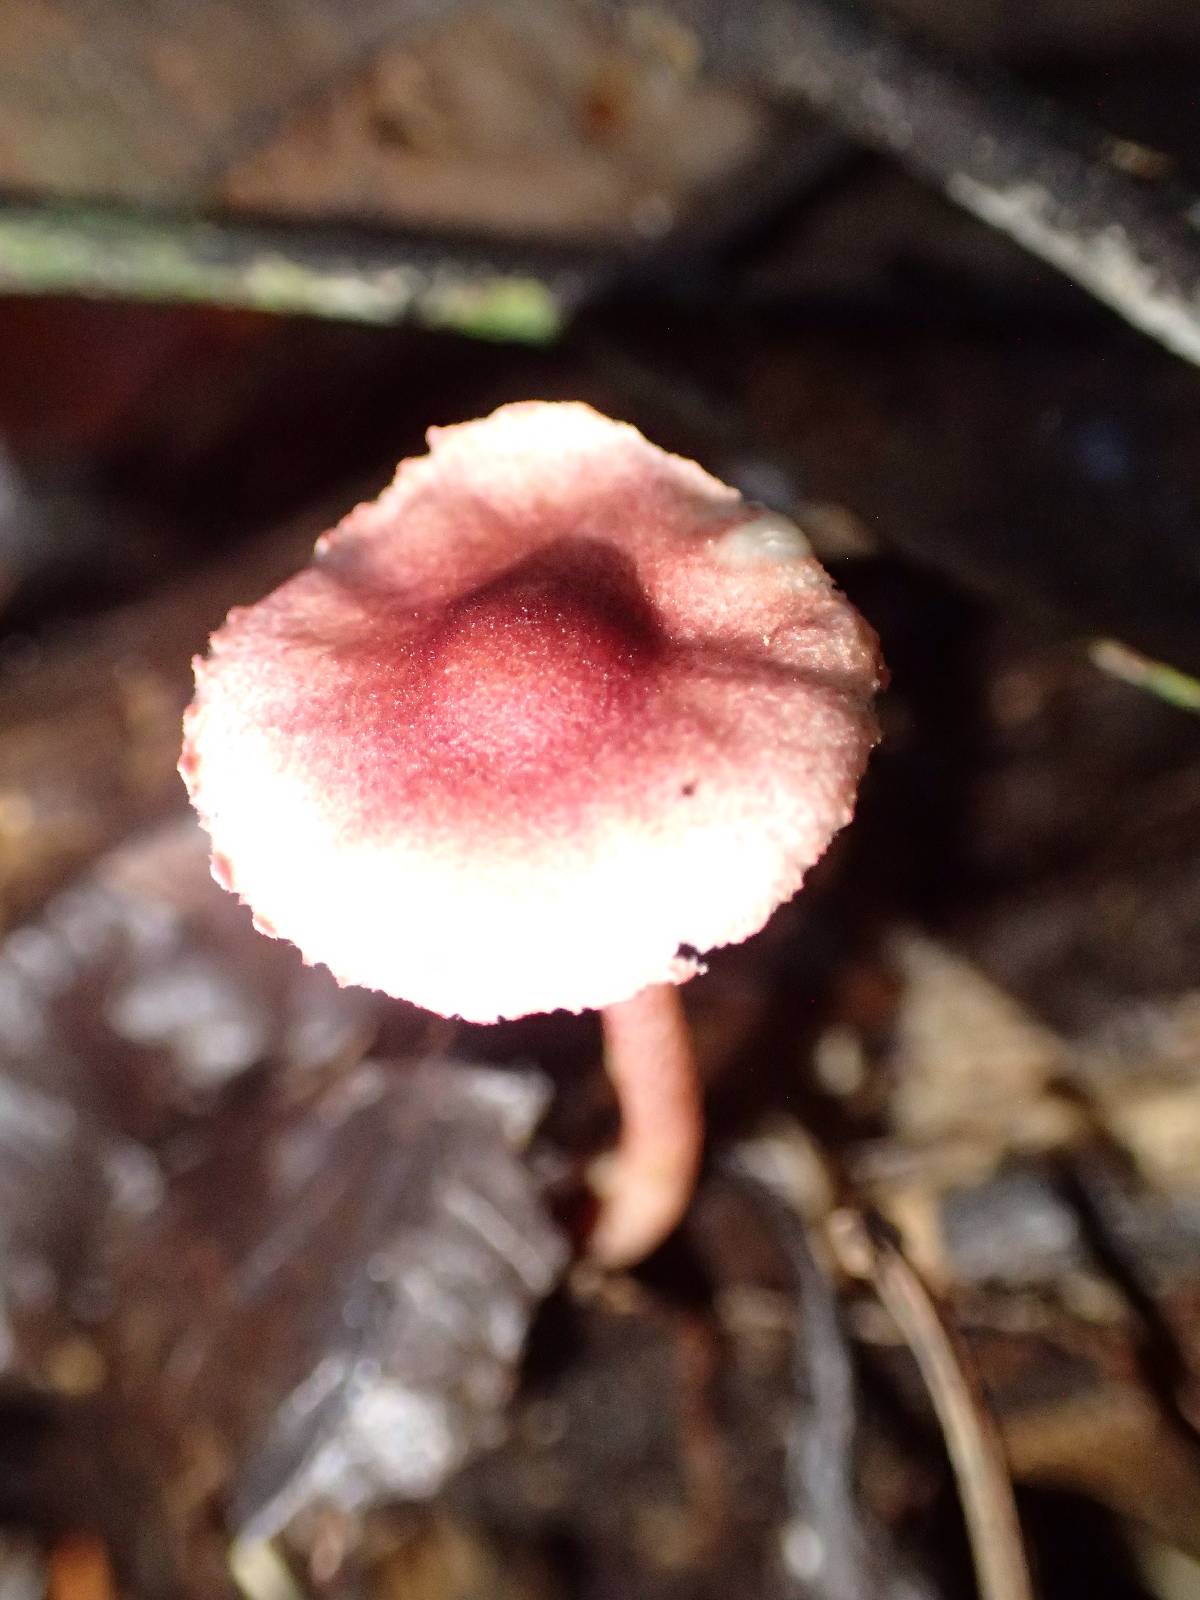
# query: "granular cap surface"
553, 714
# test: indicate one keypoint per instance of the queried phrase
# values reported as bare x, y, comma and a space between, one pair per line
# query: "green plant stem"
487, 291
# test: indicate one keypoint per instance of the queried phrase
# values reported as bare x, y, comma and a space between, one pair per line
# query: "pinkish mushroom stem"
647, 1182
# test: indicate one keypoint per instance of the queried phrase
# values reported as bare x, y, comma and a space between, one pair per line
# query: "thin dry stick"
868, 1249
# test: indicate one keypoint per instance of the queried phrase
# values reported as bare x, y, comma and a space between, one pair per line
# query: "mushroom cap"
554, 714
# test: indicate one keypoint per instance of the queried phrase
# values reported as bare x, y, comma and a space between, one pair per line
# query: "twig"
1158, 678
360, 275
868, 1249
1021, 163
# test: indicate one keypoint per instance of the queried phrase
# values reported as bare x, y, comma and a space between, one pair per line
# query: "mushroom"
552, 716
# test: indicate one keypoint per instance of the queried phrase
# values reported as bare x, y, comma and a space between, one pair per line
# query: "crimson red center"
523, 669
511, 684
